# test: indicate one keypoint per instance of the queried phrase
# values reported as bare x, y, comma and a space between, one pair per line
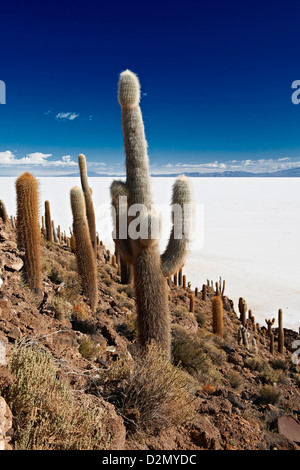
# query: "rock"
14, 334
234, 400
289, 427
2, 353
11, 262
235, 358
5, 425
205, 434
5, 377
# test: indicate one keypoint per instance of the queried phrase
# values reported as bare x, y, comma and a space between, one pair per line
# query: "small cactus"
217, 311
270, 323
3, 212
184, 281
28, 229
243, 311
196, 291
192, 303
180, 277
280, 333
204, 292
272, 343
49, 235
84, 251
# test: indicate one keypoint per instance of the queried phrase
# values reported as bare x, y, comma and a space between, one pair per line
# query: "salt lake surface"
247, 232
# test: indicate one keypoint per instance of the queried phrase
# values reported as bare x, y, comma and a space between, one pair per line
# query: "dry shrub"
156, 394
88, 348
63, 309
197, 354
270, 394
265, 372
235, 379
47, 417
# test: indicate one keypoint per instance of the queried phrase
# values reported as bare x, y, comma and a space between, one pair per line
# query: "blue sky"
216, 84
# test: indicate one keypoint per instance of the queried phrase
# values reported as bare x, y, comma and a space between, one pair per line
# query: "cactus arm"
118, 191
175, 254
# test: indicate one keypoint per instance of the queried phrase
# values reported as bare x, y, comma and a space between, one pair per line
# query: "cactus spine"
217, 311
28, 229
150, 269
280, 333
90, 213
84, 251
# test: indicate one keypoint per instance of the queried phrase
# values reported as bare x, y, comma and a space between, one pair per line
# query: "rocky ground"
239, 396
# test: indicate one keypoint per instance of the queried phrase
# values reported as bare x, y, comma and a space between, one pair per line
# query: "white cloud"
8, 158
255, 166
66, 116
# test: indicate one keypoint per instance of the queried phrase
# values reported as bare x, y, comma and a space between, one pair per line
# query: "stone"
289, 427
205, 434
5, 425
12, 262
2, 353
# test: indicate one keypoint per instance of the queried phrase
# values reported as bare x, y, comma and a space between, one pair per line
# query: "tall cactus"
28, 229
150, 269
86, 263
90, 213
280, 333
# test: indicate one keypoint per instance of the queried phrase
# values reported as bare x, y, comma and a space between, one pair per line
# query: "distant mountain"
290, 173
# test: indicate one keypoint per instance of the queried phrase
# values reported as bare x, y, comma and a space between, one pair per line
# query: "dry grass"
197, 354
47, 417
270, 394
156, 394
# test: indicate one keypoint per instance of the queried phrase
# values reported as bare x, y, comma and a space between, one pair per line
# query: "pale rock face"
5, 425
2, 353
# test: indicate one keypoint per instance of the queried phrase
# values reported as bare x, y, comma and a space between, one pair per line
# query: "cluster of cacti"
90, 213
220, 287
150, 269
86, 264
28, 229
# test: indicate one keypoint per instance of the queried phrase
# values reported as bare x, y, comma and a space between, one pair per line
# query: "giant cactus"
142, 251
90, 213
28, 229
86, 263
